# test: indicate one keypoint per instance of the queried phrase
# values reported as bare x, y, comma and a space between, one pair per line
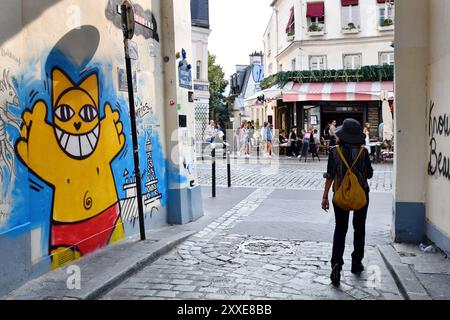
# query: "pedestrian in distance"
221, 134
313, 144
305, 136
267, 138
211, 132
367, 133
348, 169
332, 132
283, 139
241, 138
246, 139
292, 140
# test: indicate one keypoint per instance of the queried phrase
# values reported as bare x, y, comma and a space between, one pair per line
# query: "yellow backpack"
350, 195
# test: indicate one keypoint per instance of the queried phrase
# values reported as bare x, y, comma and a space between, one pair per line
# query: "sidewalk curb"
162, 247
101, 271
408, 284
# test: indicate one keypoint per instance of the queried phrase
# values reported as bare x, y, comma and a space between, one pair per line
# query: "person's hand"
325, 204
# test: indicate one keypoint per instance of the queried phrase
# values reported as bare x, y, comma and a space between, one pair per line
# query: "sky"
237, 30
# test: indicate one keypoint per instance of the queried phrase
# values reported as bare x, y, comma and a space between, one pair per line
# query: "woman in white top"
367, 133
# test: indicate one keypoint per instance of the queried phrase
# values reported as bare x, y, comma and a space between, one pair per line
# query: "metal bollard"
213, 158
228, 169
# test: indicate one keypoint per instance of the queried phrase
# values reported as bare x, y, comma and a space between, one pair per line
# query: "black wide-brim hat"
351, 132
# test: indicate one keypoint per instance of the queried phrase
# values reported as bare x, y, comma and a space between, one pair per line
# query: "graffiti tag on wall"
438, 126
8, 98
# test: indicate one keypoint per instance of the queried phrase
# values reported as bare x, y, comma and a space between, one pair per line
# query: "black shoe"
357, 267
336, 275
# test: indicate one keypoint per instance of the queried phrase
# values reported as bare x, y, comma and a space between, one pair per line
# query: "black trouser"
340, 232
293, 149
332, 141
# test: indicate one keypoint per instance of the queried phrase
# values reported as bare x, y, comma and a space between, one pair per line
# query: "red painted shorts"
86, 236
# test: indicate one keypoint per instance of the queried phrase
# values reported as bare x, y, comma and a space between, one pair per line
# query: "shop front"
315, 105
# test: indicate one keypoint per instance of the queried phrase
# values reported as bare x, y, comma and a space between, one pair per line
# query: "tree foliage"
218, 109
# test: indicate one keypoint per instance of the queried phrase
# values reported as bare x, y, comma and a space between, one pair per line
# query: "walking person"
306, 136
263, 139
210, 132
246, 139
327, 137
267, 138
241, 138
349, 168
313, 144
292, 140
222, 136
332, 132
367, 140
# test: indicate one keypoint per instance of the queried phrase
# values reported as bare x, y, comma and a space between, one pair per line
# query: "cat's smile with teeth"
78, 146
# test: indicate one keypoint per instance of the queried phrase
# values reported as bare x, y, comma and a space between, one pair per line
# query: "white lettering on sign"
143, 22
138, 19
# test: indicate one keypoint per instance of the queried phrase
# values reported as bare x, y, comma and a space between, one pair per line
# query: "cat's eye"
88, 113
64, 113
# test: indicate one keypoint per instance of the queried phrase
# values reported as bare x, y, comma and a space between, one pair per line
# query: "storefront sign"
185, 72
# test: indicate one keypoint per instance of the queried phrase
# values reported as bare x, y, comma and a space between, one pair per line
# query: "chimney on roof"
256, 58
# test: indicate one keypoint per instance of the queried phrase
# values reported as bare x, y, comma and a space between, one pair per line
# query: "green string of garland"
367, 73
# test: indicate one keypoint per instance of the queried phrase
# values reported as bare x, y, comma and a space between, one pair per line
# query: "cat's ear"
90, 85
60, 83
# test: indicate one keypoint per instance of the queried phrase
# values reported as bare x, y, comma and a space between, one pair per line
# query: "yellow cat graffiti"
74, 156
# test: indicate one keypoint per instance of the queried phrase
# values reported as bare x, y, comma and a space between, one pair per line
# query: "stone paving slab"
100, 271
232, 266
294, 213
431, 269
274, 174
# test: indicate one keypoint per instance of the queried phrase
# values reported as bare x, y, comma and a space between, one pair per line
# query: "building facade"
311, 35
200, 36
67, 170
245, 83
422, 131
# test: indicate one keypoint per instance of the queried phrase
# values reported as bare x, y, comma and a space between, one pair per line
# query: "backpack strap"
341, 155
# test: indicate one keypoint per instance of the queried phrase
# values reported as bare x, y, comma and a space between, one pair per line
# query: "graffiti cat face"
75, 114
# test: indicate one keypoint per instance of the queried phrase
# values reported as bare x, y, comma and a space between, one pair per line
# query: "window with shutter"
317, 63
386, 58
352, 61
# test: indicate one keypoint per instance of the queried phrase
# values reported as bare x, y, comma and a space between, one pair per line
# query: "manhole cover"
267, 247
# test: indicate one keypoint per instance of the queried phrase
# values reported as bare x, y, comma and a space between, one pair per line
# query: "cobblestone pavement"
283, 175
217, 263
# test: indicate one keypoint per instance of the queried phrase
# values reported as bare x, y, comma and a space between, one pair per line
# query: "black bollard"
228, 169
213, 156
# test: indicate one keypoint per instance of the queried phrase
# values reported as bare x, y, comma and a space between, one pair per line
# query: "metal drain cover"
267, 247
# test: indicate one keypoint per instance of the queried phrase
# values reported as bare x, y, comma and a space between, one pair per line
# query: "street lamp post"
128, 25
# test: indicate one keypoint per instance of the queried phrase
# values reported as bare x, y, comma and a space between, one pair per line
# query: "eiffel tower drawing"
152, 194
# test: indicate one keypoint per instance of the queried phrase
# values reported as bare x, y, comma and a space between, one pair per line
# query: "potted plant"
351, 26
387, 22
314, 28
291, 34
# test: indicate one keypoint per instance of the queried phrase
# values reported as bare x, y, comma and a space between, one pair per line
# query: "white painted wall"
438, 186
